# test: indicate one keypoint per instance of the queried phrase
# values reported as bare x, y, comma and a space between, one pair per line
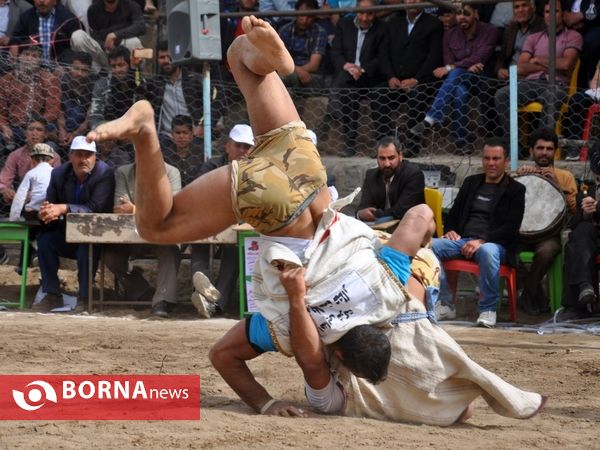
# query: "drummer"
543, 144
483, 225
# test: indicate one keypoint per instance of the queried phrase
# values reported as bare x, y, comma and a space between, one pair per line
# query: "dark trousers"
545, 252
51, 245
580, 260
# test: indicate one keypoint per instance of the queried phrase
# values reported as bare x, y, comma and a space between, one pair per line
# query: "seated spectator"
117, 257
408, 59
19, 161
76, 86
306, 41
10, 11
532, 68
355, 56
111, 23
25, 90
582, 15
184, 154
574, 119
115, 93
113, 154
395, 186
50, 24
447, 16
277, 5
466, 48
238, 146
81, 185
543, 143
177, 91
31, 193
336, 4
580, 271
482, 226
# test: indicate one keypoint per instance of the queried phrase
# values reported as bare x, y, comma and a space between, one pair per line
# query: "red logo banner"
99, 397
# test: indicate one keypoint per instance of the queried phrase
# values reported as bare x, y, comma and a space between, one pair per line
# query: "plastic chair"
587, 128
434, 199
537, 107
555, 278
17, 232
510, 273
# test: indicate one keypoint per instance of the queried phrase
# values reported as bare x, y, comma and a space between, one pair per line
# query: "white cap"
312, 136
242, 133
80, 143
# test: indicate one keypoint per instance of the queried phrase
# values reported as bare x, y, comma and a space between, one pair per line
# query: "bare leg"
254, 59
414, 230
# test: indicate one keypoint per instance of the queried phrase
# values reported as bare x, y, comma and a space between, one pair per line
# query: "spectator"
447, 16
355, 56
10, 11
183, 154
393, 187
177, 91
306, 41
543, 143
117, 257
408, 58
113, 154
19, 162
277, 5
524, 23
50, 24
115, 93
336, 4
26, 90
238, 146
76, 86
574, 119
582, 15
467, 48
532, 68
111, 23
81, 185
580, 251
482, 225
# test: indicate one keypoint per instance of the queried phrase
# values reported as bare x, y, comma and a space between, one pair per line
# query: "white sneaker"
444, 312
487, 319
203, 285
205, 308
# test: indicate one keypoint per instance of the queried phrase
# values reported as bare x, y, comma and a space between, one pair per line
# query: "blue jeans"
51, 245
452, 99
489, 257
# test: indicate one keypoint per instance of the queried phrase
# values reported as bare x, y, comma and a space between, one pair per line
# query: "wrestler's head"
366, 351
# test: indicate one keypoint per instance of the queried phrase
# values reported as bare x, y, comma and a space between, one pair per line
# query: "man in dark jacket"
48, 23
483, 225
81, 185
393, 187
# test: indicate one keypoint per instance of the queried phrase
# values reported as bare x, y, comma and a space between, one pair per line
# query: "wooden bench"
99, 229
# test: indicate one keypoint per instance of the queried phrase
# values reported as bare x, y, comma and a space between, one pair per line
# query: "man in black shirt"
483, 225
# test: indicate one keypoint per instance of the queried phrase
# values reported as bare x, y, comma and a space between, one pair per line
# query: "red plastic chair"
587, 127
510, 273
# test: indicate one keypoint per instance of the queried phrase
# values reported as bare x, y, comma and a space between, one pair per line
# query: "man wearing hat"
81, 185
238, 146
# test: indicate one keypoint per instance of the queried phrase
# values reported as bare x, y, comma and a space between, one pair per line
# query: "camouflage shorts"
425, 267
278, 180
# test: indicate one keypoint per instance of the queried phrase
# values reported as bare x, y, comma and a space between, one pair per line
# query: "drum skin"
545, 208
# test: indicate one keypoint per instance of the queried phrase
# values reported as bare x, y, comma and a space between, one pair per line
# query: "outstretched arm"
229, 356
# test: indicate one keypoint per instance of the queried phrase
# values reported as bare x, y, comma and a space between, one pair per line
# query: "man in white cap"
81, 185
238, 146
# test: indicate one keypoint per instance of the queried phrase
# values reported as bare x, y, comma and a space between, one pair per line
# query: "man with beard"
177, 91
543, 143
77, 84
393, 187
27, 89
115, 93
111, 23
81, 185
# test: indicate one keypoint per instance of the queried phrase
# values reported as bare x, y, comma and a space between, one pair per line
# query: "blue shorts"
258, 335
398, 262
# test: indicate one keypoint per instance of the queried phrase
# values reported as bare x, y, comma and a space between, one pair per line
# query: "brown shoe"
49, 302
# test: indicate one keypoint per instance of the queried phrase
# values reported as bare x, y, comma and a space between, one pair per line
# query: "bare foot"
467, 413
265, 38
138, 118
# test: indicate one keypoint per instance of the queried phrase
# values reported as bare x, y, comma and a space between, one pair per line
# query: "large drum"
545, 208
